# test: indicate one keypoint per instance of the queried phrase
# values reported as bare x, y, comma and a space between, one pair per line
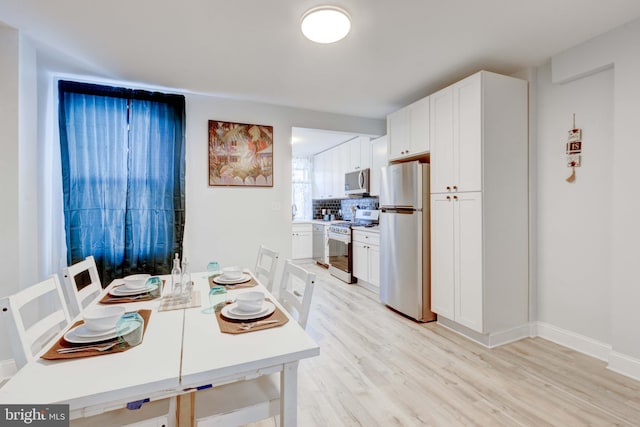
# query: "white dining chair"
82, 285
29, 330
265, 269
256, 399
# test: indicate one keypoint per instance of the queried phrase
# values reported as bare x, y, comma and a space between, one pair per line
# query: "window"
301, 188
123, 163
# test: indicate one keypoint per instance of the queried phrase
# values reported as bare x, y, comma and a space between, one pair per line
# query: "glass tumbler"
130, 328
154, 286
213, 267
217, 298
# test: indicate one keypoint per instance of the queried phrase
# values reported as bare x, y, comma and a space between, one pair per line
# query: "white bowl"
250, 301
100, 319
232, 273
136, 282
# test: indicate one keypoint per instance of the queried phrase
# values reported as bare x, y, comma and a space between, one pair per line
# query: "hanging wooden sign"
574, 150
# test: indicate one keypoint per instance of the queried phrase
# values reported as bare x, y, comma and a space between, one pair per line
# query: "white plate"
231, 311
221, 280
83, 332
73, 338
121, 291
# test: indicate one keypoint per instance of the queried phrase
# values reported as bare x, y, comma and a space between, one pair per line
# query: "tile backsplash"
344, 205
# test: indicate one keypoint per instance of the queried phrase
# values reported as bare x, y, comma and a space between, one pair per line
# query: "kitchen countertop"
374, 229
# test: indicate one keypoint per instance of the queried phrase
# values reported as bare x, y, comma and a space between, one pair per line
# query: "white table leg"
289, 395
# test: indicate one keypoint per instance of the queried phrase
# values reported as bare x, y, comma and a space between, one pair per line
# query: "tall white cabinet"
479, 207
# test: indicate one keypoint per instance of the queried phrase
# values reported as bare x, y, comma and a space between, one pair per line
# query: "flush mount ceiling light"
325, 24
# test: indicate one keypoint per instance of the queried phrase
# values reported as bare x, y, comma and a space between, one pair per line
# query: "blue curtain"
123, 167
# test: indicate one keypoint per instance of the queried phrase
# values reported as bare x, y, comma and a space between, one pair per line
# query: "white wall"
580, 68
18, 162
574, 219
227, 224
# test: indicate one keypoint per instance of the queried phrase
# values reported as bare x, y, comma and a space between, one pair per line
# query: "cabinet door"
374, 265
469, 274
305, 245
378, 161
339, 164
442, 255
397, 133
365, 152
354, 154
441, 125
315, 188
419, 127
320, 176
360, 261
467, 105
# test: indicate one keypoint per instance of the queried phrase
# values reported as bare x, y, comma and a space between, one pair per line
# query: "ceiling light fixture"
325, 24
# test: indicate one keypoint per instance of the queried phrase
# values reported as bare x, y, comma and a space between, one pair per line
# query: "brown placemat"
114, 299
176, 303
232, 326
52, 353
250, 284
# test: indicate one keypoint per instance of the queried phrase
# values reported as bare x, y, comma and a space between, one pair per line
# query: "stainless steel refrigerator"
404, 240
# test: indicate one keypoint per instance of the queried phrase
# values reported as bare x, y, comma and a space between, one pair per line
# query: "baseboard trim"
489, 340
574, 341
624, 365
7, 369
616, 362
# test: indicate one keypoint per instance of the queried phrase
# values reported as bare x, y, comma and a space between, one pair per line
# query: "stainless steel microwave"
356, 183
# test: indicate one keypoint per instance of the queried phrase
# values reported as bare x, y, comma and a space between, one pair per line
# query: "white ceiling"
397, 52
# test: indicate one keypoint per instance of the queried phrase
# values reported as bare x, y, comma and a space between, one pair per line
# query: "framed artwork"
240, 155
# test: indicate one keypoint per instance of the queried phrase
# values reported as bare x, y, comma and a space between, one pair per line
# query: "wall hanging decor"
574, 150
240, 154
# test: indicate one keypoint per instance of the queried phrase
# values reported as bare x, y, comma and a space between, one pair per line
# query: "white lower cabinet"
366, 257
457, 290
302, 241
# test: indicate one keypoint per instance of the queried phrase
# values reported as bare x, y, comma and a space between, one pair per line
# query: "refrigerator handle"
399, 210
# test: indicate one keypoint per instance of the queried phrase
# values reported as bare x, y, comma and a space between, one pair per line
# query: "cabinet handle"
455, 197
448, 188
448, 197
455, 187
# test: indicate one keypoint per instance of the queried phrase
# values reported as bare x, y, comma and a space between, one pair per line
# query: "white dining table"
92, 385
182, 350
211, 357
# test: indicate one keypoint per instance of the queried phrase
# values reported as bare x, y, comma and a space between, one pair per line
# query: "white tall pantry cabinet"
479, 207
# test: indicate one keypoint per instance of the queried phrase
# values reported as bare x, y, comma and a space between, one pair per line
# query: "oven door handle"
342, 238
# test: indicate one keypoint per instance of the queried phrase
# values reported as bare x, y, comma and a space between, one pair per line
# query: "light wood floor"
377, 368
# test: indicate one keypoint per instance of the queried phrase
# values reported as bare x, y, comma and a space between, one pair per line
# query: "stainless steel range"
340, 252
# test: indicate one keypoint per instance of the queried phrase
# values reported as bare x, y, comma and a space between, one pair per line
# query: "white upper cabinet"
456, 137
378, 160
359, 153
321, 163
408, 131
340, 165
